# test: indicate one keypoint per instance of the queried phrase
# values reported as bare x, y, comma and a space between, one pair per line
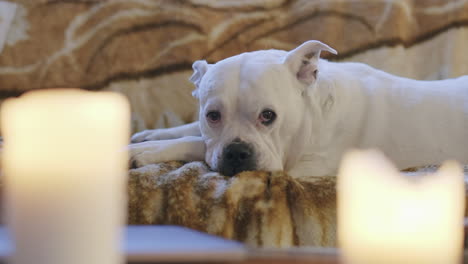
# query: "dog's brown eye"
267, 117
213, 116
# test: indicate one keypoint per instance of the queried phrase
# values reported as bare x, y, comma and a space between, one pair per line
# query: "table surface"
174, 244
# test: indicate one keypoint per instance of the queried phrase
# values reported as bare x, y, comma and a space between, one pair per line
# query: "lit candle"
65, 164
384, 217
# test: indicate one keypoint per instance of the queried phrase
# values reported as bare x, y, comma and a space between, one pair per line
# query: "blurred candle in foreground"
65, 164
384, 217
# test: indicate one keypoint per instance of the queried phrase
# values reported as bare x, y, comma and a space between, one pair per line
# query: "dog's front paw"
152, 134
151, 152
141, 154
141, 159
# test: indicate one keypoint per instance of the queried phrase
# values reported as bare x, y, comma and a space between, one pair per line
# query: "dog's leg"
191, 129
190, 148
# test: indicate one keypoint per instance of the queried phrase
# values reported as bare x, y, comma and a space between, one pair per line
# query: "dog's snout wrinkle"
238, 156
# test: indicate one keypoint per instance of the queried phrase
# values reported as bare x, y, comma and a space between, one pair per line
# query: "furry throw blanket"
257, 208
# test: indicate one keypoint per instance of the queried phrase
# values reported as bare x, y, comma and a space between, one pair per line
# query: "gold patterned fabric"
258, 208
144, 49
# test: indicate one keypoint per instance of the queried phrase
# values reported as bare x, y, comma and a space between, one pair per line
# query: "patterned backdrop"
144, 48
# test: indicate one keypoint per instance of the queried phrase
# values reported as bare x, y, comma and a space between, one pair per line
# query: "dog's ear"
303, 60
199, 69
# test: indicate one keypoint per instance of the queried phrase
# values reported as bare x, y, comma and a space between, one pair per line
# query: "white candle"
65, 164
384, 217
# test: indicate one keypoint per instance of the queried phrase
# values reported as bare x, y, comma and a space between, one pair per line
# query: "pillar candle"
65, 165
385, 217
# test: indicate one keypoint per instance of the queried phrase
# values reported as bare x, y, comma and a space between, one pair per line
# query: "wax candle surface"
65, 166
384, 217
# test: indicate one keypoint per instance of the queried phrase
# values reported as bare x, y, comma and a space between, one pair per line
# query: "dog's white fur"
320, 114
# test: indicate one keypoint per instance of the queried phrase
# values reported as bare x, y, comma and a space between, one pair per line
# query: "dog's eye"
267, 117
213, 116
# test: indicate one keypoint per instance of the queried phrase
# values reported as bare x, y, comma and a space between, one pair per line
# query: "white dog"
278, 110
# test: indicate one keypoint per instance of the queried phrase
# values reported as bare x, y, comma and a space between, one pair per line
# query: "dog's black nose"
238, 156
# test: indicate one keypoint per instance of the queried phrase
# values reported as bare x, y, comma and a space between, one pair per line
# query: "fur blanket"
258, 208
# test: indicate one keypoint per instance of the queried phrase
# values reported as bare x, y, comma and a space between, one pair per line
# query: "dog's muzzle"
238, 156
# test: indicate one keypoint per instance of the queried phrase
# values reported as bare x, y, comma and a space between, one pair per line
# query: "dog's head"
253, 107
